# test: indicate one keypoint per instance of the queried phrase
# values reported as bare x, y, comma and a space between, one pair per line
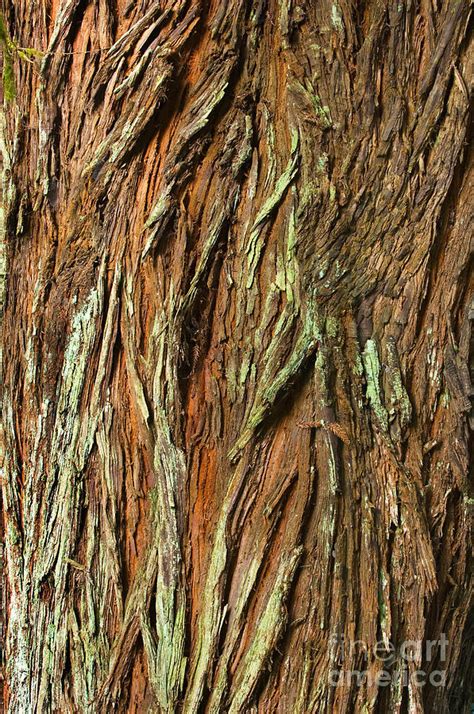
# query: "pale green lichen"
336, 18
211, 617
332, 327
399, 399
445, 399
245, 367
162, 569
10, 50
266, 635
9, 87
322, 110
372, 367
233, 634
322, 163
291, 262
255, 244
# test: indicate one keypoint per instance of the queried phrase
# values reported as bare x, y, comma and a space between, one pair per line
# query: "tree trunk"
237, 343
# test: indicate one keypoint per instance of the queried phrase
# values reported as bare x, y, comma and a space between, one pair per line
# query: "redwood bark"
237, 307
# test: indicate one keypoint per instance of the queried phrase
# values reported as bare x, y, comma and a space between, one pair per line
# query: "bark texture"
237, 309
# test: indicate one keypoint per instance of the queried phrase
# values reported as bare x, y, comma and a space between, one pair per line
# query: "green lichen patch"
372, 368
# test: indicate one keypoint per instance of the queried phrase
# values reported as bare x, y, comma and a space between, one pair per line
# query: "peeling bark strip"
237, 306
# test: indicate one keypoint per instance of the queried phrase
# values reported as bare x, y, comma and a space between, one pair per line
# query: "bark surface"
237, 306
